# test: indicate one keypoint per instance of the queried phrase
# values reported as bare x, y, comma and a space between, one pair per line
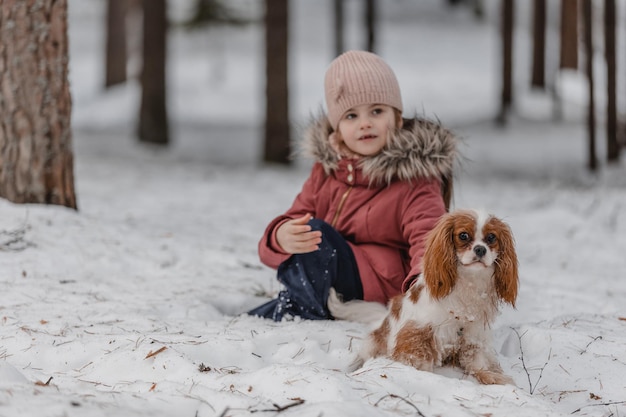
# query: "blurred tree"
538, 78
506, 97
208, 12
477, 6
592, 161
116, 50
370, 25
153, 123
569, 34
36, 159
277, 135
339, 26
609, 53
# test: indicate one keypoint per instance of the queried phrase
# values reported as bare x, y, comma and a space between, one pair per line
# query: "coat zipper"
341, 203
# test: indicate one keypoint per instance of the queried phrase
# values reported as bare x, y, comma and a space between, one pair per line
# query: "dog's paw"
493, 378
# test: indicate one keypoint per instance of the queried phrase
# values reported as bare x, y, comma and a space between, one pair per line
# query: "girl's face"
365, 128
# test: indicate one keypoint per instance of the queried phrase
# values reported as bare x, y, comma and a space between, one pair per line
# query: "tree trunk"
116, 51
36, 159
609, 51
153, 124
539, 44
569, 34
592, 162
339, 26
506, 97
277, 135
370, 24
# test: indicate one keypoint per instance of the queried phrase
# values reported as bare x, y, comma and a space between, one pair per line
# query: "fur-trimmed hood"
420, 149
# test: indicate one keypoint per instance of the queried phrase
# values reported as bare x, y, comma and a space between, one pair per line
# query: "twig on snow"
589, 344
300, 352
13, 240
44, 384
96, 383
151, 353
199, 399
280, 408
419, 413
204, 368
4, 354
531, 387
599, 404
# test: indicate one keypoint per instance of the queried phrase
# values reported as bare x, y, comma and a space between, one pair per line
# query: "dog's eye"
490, 239
464, 236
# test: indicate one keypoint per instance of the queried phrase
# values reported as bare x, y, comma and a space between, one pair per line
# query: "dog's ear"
440, 261
506, 276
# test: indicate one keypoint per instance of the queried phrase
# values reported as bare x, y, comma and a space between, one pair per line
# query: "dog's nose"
480, 251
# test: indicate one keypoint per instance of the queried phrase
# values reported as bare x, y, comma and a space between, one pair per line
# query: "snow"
132, 305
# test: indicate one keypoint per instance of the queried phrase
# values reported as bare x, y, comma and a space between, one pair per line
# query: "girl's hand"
296, 236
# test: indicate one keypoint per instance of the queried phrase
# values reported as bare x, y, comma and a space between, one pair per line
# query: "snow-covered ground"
132, 305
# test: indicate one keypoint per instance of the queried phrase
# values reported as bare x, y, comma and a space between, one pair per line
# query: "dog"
470, 268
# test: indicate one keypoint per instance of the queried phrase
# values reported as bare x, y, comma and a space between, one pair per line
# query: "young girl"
378, 185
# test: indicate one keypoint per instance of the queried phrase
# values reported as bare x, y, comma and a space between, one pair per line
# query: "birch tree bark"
36, 159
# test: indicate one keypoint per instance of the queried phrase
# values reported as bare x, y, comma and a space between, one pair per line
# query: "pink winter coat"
383, 205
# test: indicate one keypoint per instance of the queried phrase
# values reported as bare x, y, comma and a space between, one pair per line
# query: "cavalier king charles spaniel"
444, 318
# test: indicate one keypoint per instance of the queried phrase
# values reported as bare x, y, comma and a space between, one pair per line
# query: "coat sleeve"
423, 208
270, 252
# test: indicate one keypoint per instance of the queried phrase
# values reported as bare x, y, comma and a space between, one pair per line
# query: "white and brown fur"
469, 269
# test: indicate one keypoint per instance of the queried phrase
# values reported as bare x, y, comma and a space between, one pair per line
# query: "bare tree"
569, 34
153, 123
215, 12
116, 50
36, 159
277, 135
609, 52
339, 26
506, 97
370, 24
592, 161
539, 44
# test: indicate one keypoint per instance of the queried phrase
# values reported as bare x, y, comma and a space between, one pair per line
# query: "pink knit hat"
359, 77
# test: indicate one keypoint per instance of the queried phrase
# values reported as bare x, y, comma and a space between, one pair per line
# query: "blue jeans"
308, 277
